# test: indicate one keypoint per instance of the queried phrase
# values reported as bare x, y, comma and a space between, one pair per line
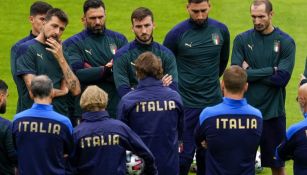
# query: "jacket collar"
149, 81
233, 102
42, 107
95, 116
197, 26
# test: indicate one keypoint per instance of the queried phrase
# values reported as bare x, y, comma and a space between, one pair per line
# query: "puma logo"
250, 46
39, 55
88, 51
188, 45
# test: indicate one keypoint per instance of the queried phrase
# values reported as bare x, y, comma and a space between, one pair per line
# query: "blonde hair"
93, 99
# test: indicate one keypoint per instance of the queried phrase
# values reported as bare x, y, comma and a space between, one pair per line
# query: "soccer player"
44, 55
124, 73
7, 150
267, 54
155, 113
42, 136
91, 52
231, 130
295, 145
201, 48
38, 12
101, 142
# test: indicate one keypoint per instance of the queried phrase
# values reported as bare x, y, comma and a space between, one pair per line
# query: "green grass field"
289, 16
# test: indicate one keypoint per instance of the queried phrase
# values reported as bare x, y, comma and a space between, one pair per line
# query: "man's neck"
147, 42
237, 96
35, 33
45, 101
41, 38
269, 30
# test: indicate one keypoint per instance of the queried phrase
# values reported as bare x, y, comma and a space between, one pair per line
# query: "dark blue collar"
305, 115
89, 32
233, 102
31, 35
149, 81
143, 45
95, 116
42, 107
195, 25
274, 30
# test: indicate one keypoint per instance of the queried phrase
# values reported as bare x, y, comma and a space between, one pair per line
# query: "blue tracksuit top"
295, 146
232, 130
155, 113
42, 137
101, 144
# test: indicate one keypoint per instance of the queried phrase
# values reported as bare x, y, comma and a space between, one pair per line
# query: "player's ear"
222, 86
31, 95
245, 87
31, 19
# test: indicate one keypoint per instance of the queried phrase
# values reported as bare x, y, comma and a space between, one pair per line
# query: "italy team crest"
215, 39
276, 46
113, 48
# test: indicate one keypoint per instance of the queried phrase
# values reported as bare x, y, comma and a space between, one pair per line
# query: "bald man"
295, 145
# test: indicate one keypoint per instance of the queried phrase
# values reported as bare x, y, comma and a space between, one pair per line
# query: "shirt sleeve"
9, 145
170, 42
238, 56
170, 67
281, 77
84, 71
26, 63
225, 51
122, 111
120, 73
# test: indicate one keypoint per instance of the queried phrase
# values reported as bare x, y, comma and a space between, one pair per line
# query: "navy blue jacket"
101, 144
295, 147
14, 55
42, 137
7, 150
155, 113
232, 130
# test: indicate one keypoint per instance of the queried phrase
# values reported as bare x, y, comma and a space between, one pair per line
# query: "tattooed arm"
72, 81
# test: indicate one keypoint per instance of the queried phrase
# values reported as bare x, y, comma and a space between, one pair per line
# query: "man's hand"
167, 80
180, 147
245, 65
204, 144
55, 48
109, 64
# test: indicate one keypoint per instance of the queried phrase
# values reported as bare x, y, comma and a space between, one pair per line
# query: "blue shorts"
273, 133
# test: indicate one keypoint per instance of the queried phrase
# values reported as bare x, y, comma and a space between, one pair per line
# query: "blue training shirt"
232, 131
42, 137
295, 147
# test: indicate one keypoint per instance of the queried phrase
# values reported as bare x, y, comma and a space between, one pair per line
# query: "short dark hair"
39, 7
3, 86
148, 64
267, 3
41, 86
57, 13
197, 1
92, 4
141, 13
235, 79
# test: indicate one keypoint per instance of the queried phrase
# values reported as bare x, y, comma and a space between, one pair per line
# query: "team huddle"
94, 103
